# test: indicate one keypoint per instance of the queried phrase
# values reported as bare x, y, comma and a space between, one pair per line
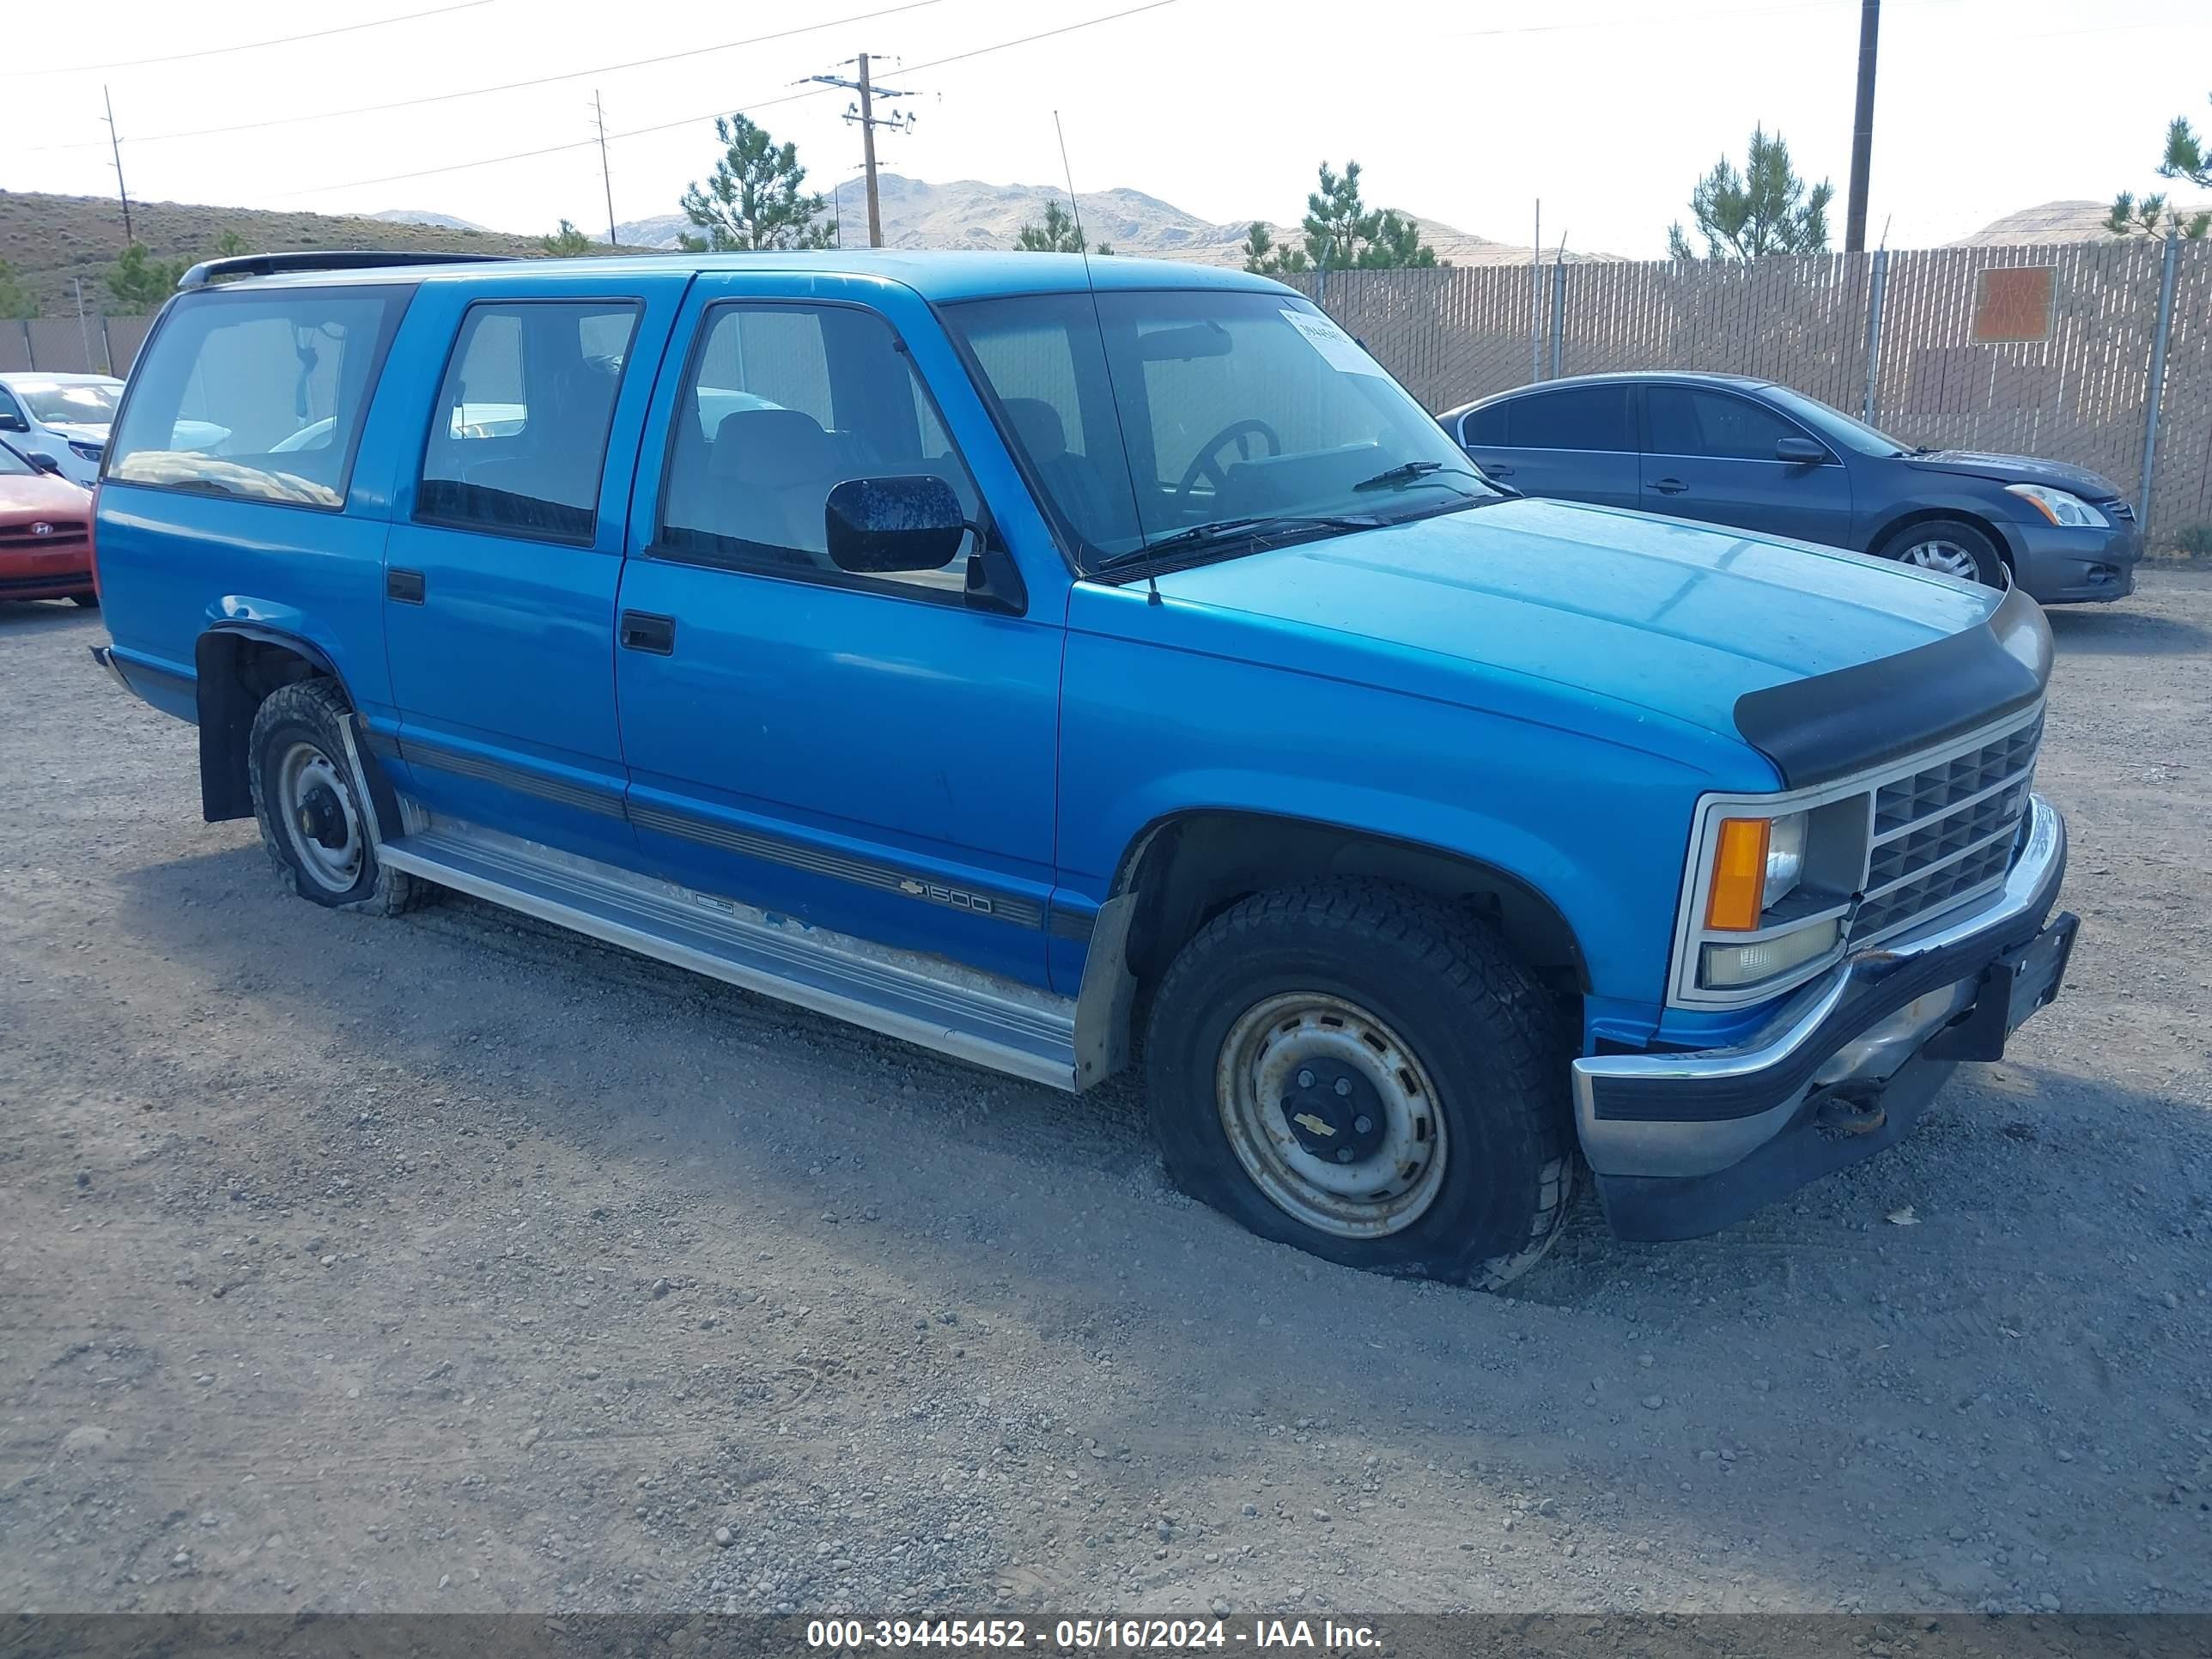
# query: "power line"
693, 120
253, 45
507, 86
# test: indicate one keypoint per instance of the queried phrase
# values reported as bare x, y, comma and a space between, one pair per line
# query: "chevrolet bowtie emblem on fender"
1319, 1125
42, 529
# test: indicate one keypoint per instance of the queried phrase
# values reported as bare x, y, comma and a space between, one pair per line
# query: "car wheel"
89, 601
313, 822
1366, 1073
1951, 547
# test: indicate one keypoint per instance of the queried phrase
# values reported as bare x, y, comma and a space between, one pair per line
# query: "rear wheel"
314, 824
1950, 546
1365, 1072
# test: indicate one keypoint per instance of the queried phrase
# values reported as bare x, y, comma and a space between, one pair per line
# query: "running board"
979, 1018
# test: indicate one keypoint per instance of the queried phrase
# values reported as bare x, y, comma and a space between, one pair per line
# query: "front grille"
65, 532
1945, 831
2123, 512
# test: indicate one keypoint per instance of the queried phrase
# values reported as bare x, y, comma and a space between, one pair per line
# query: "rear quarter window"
256, 394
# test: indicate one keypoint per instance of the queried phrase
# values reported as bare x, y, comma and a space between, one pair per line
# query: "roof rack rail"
271, 264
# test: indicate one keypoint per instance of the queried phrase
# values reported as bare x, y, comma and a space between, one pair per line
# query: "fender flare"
226, 722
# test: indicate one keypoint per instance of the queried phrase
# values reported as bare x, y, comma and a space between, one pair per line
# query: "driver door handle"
641, 630
1670, 486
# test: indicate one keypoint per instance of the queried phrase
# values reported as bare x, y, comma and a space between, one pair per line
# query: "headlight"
84, 451
1757, 863
2070, 512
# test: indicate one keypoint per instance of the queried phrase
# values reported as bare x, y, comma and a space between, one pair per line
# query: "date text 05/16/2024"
1091, 1635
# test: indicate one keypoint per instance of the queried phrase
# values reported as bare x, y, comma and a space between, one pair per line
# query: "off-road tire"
1491, 1040
314, 711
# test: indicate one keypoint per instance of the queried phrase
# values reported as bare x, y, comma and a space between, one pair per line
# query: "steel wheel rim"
1268, 1047
319, 821
1949, 557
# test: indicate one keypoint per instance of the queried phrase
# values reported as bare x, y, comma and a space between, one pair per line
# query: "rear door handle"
1670, 486
641, 630
403, 585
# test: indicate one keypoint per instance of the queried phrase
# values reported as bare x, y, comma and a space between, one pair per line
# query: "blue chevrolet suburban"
1066, 667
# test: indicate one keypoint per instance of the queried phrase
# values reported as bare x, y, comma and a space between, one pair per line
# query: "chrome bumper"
1687, 1116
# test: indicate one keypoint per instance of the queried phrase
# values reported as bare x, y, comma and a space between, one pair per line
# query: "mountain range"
970, 214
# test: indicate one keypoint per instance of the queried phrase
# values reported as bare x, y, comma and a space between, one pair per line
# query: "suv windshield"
79, 403
1205, 422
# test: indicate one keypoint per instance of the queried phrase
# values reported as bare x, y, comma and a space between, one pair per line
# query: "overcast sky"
1464, 110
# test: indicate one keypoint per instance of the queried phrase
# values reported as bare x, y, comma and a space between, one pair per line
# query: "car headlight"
2068, 511
84, 451
1757, 863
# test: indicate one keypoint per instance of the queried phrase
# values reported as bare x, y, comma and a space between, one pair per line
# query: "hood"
24, 499
1671, 617
78, 431
2018, 469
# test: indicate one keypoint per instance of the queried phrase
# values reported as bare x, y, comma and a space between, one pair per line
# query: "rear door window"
258, 394
517, 437
1686, 421
1584, 417
1485, 427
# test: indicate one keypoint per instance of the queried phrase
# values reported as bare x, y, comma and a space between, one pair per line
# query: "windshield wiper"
1230, 530
1413, 472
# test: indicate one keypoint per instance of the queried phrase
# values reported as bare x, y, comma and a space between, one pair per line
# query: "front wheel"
1368, 1074
314, 824
1949, 546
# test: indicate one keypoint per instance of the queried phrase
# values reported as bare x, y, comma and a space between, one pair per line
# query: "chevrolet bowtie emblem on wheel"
1316, 1125
42, 529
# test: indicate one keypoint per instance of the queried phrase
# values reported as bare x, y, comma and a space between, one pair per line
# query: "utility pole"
606, 178
863, 113
1855, 213
115, 144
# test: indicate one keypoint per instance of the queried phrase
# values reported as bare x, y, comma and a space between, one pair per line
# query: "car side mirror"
1800, 452
14, 424
44, 462
880, 526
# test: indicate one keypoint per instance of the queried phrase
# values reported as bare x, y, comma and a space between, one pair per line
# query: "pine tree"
17, 300
142, 283
567, 242
1057, 235
2186, 158
756, 198
1765, 210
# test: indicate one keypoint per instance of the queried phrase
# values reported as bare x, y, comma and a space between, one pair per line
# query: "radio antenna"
1090, 283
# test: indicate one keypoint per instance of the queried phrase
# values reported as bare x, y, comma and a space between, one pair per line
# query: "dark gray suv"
1724, 449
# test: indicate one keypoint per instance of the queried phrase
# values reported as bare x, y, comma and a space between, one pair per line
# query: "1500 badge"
951, 896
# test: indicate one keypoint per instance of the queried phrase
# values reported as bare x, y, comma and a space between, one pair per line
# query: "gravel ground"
454, 1263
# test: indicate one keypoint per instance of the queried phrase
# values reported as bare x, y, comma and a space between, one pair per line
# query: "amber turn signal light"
1739, 881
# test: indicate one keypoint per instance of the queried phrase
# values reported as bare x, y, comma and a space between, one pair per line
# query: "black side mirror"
1800, 452
14, 424
879, 526
44, 462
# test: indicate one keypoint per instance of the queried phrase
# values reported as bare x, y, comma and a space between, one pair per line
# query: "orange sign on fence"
2015, 302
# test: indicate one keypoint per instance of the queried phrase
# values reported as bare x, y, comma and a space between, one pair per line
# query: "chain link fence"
2049, 351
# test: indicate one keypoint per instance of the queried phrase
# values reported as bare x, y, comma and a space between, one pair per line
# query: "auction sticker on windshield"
1342, 351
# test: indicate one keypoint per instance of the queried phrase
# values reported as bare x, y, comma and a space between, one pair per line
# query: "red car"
46, 534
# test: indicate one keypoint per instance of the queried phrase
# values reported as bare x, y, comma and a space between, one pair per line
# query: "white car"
63, 416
